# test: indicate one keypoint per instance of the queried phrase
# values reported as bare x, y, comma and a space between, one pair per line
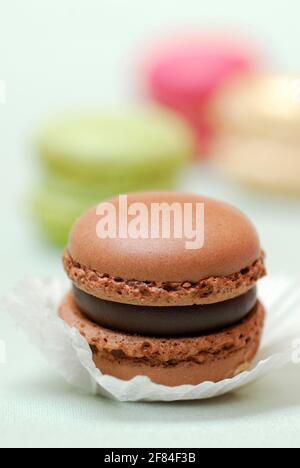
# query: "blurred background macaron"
184, 73
258, 143
85, 158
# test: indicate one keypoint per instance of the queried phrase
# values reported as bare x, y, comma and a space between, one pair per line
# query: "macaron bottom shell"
104, 187
57, 205
170, 361
115, 145
261, 164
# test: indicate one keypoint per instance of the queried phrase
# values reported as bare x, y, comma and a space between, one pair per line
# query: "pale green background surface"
55, 54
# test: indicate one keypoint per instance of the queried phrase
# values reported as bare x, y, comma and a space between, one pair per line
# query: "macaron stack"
259, 140
86, 158
185, 73
152, 307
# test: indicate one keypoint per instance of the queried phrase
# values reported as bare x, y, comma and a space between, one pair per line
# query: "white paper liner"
34, 305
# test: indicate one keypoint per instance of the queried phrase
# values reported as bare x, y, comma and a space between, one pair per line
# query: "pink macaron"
185, 72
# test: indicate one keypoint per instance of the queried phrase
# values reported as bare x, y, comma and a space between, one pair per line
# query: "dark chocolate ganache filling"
165, 321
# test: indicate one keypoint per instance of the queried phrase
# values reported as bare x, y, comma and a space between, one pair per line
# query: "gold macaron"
258, 141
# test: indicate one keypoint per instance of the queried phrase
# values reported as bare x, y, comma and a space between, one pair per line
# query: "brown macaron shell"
170, 361
162, 272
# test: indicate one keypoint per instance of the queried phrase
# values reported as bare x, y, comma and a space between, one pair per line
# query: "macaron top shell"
185, 72
231, 244
261, 105
138, 141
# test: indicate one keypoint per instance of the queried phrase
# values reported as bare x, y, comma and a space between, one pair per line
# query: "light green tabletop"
37, 408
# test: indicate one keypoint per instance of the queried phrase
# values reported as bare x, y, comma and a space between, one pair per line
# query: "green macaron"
88, 157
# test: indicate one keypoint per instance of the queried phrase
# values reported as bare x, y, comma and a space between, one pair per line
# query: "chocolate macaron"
149, 305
